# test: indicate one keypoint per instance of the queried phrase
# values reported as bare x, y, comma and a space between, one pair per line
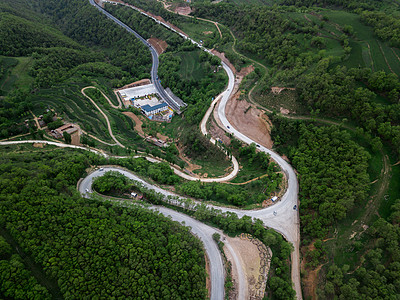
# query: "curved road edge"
201, 230
286, 221
100, 152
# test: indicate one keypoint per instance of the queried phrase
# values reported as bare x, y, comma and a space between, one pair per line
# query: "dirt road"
104, 115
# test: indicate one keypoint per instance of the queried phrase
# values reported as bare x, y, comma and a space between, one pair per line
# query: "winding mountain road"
201, 230
285, 220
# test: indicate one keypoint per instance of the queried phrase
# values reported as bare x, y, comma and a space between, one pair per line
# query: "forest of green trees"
351, 93
332, 172
62, 49
87, 248
378, 275
16, 281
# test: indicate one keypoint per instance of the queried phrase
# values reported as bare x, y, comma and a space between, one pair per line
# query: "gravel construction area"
158, 44
250, 121
255, 260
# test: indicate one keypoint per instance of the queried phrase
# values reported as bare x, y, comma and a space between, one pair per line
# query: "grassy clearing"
190, 66
213, 168
287, 99
123, 128
393, 192
23, 79
198, 29
103, 83
16, 74
247, 172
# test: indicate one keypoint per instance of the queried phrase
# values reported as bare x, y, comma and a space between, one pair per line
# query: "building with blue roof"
152, 110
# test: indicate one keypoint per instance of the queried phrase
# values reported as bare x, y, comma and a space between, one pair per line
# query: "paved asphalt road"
286, 220
201, 230
154, 55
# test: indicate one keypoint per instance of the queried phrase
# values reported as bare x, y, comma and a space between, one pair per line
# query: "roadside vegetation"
73, 240
193, 75
342, 59
279, 284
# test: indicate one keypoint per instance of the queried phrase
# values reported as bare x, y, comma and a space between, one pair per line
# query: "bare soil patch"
135, 84
255, 257
183, 10
243, 73
190, 166
158, 44
284, 111
162, 137
207, 32
217, 132
38, 145
138, 122
310, 279
310, 276
224, 59
249, 120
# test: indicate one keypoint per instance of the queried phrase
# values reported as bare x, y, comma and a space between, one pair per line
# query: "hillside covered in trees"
87, 248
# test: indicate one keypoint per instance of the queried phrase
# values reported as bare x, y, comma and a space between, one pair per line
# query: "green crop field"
375, 54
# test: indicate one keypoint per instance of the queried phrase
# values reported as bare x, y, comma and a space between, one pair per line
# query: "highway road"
154, 68
201, 230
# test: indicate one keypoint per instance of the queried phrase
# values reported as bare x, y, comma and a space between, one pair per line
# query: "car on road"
228, 127
87, 190
295, 207
101, 169
258, 145
275, 212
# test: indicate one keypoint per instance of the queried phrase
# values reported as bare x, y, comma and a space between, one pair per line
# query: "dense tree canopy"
92, 249
332, 173
378, 276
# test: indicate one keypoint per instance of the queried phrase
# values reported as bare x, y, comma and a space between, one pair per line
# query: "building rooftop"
149, 108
